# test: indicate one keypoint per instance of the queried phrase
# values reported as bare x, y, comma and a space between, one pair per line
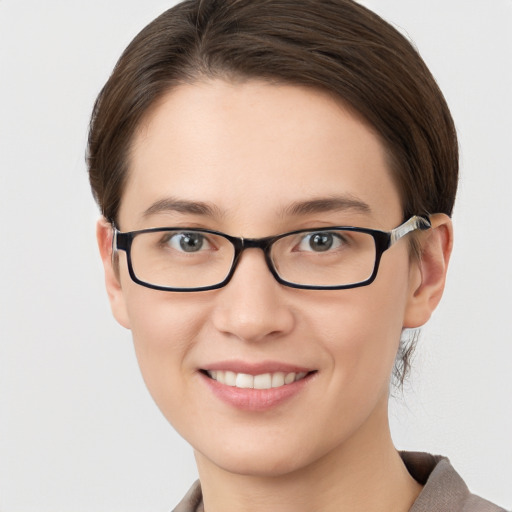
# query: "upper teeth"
262, 381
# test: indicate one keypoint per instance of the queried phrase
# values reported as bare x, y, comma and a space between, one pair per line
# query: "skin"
247, 150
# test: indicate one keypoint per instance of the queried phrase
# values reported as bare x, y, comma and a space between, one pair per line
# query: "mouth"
256, 387
260, 381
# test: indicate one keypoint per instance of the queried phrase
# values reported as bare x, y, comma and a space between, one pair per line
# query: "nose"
252, 306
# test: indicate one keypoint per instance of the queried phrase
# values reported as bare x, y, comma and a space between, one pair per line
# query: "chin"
277, 456
260, 465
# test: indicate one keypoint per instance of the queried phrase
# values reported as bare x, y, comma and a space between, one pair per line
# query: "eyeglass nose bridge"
265, 244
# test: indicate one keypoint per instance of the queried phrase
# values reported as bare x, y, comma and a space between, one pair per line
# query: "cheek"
164, 329
361, 332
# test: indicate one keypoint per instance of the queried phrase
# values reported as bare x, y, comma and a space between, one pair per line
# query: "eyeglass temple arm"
412, 224
115, 247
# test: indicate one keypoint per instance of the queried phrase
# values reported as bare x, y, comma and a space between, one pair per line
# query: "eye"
321, 241
187, 241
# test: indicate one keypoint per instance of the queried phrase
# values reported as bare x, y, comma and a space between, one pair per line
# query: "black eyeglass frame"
122, 241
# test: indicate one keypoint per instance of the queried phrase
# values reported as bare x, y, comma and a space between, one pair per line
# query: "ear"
104, 234
428, 273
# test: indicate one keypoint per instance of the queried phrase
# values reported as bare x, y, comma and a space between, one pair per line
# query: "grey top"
443, 491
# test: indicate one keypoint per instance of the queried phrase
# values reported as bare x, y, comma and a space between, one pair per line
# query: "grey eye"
188, 242
321, 241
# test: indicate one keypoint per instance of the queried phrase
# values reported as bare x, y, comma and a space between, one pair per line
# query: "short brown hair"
335, 45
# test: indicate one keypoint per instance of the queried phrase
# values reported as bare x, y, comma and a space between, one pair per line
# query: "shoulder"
444, 490
192, 501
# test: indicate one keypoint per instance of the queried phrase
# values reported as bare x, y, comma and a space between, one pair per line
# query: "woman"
276, 180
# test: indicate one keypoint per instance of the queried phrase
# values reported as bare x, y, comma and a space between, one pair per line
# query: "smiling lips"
255, 387
261, 381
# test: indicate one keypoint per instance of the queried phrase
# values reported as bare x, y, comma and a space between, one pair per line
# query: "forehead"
252, 149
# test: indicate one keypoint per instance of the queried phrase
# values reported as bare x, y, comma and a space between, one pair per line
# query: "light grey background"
78, 430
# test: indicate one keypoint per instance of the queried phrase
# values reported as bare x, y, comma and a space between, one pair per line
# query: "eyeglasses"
190, 260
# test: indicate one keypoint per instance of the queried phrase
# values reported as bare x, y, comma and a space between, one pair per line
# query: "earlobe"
428, 274
104, 235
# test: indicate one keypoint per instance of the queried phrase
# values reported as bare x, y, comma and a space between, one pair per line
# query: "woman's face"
264, 159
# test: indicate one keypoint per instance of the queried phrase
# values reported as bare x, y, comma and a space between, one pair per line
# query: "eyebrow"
327, 204
298, 208
171, 204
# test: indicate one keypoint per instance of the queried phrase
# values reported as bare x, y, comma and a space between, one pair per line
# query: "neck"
365, 473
